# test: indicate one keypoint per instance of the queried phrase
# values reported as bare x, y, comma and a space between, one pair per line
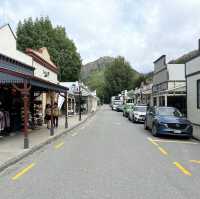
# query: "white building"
169, 84
8, 46
88, 98
44, 69
193, 90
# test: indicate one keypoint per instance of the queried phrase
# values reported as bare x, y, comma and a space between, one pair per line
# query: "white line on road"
174, 141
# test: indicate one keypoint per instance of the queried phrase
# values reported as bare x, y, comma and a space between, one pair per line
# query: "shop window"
198, 94
154, 101
161, 100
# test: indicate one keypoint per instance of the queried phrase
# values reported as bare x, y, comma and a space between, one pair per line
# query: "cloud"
140, 30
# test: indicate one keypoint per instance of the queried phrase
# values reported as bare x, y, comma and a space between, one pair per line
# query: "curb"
35, 148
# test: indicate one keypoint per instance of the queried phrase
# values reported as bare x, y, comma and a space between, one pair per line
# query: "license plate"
177, 131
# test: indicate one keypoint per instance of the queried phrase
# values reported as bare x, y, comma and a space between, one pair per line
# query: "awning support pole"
79, 103
66, 110
25, 93
52, 123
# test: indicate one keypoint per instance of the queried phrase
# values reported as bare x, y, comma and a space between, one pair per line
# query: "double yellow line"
182, 169
178, 165
161, 149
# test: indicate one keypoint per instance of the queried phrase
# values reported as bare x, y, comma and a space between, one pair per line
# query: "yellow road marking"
182, 169
175, 141
163, 151
23, 171
153, 142
195, 161
57, 146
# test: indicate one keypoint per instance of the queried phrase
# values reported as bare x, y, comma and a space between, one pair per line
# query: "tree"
119, 76
41, 33
96, 82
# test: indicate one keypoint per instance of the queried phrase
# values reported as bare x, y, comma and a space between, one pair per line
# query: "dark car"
120, 108
167, 121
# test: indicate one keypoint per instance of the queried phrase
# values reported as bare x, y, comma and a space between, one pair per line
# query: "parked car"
138, 113
167, 121
120, 108
127, 109
116, 104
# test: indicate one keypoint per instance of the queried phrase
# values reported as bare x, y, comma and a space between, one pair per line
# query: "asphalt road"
107, 157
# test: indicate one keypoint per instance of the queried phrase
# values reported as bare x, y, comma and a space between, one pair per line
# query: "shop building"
193, 90
169, 84
44, 69
72, 100
18, 88
79, 94
146, 93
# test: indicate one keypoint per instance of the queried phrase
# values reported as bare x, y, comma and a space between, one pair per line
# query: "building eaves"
186, 57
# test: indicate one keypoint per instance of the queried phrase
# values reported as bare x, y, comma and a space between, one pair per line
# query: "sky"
139, 30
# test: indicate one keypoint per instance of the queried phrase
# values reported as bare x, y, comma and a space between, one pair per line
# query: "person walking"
48, 115
55, 115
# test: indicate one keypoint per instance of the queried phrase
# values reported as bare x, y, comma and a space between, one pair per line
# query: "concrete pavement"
11, 148
107, 157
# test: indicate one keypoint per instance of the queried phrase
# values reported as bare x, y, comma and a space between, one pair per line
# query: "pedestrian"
48, 115
55, 115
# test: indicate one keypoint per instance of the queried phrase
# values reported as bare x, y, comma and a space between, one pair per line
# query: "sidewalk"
11, 148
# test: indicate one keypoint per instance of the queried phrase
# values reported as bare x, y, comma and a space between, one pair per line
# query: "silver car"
138, 113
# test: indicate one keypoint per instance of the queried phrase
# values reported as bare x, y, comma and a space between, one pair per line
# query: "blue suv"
167, 121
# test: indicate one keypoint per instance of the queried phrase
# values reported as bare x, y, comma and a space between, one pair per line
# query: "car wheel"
134, 121
154, 130
145, 125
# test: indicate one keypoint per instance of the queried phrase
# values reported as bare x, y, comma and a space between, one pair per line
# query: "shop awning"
38, 84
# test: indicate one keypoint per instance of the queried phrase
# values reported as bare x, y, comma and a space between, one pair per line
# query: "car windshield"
117, 103
141, 108
166, 111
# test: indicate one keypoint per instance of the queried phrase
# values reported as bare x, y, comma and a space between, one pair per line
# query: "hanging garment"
7, 119
2, 121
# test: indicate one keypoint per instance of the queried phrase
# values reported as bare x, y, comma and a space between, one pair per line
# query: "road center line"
23, 171
163, 151
57, 146
195, 161
182, 169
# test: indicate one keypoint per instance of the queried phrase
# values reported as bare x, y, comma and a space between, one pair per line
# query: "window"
154, 101
161, 100
198, 93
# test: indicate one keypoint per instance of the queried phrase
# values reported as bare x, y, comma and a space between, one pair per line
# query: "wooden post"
25, 94
52, 125
66, 110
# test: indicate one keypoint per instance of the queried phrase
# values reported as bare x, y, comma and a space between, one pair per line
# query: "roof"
42, 56
161, 57
8, 76
186, 57
9, 28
